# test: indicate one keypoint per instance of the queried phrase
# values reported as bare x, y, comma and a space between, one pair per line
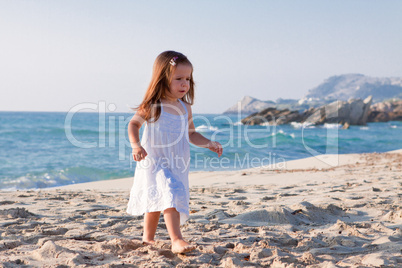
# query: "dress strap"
182, 103
184, 106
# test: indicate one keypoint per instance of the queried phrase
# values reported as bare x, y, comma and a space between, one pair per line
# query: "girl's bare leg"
151, 220
172, 221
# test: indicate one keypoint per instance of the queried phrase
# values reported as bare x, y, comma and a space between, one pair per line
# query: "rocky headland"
351, 112
335, 88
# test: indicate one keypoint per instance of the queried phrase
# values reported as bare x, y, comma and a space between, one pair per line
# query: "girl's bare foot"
181, 246
149, 243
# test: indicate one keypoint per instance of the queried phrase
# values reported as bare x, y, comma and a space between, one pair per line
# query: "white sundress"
161, 179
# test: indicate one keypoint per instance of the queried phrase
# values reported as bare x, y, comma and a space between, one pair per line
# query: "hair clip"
173, 61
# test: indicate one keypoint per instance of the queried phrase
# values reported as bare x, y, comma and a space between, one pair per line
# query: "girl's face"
180, 84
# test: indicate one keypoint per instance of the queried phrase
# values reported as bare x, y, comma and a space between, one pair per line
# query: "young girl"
163, 155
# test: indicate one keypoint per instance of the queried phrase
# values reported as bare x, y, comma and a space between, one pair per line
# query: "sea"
48, 149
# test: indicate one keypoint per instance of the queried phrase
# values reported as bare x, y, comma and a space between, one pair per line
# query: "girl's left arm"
199, 140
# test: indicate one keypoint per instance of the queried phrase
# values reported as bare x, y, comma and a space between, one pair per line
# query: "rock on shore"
352, 112
272, 116
386, 111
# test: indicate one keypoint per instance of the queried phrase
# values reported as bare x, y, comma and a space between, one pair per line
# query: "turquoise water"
37, 150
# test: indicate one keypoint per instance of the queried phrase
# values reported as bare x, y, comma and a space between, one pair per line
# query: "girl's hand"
215, 147
139, 153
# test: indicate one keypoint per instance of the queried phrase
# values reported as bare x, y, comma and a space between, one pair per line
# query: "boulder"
272, 116
353, 112
386, 111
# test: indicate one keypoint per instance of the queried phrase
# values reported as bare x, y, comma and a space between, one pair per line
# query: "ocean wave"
298, 125
282, 133
56, 178
80, 131
351, 139
51, 131
204, 128
31, 181
332, 125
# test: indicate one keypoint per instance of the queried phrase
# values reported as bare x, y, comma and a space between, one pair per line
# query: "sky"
57, 55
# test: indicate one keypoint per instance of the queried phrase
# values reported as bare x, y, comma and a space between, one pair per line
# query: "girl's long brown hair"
160, 82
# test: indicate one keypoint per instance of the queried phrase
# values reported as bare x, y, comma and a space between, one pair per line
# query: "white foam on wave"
332, 125
292, 135
364, 128
302, 125
393, 126
278, 132
204, 128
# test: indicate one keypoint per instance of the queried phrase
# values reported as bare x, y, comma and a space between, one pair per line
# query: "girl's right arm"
134, 126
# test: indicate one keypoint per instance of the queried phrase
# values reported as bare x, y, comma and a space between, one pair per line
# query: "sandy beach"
304, 214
